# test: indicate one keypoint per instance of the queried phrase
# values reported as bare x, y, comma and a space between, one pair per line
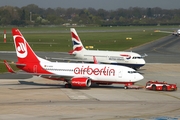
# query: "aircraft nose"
143, 61
139, 77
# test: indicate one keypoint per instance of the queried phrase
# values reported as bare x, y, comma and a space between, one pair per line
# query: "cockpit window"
132, 72
137, 57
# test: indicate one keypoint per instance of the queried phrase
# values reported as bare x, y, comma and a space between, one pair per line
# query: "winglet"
145, 55
95, 60
8, 67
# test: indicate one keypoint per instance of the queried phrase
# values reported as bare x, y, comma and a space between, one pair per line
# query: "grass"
58, 39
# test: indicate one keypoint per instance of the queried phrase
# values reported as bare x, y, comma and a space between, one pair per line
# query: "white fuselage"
129, 59
177, 33
97, 72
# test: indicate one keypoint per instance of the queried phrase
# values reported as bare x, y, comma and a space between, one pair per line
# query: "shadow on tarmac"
62, 85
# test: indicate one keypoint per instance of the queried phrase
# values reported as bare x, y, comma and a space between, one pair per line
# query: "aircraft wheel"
125, 87
67, 85
154, 87
164, 88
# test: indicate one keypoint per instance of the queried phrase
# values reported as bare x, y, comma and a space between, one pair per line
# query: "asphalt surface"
164, 50
27, 97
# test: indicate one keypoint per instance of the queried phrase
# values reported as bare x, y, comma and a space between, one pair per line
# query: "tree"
149, 12
33, 15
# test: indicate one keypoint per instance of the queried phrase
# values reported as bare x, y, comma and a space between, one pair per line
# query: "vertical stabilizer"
23, 50
77, 44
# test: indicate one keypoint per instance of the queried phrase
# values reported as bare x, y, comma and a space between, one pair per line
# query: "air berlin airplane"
74, 74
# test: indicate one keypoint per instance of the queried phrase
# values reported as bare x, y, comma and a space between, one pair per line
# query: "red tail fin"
23, 50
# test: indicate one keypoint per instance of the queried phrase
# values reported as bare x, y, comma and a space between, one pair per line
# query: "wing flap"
55, 77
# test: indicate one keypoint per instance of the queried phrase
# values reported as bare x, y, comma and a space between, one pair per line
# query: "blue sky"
97, 4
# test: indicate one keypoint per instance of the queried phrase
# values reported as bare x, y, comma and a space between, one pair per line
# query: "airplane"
176, 33
79, 75
130, 59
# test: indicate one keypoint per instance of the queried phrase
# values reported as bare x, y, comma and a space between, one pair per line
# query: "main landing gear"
125, 87
68, 85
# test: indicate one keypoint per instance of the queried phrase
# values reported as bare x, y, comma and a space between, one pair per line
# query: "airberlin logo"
106, 71
21, 49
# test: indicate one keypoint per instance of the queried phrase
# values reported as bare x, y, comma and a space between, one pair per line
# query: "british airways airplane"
74, 74
176, 33
129, 59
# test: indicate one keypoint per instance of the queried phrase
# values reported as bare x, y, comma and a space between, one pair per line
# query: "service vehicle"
160, 86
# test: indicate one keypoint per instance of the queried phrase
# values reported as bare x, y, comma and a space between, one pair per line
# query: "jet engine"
80, 82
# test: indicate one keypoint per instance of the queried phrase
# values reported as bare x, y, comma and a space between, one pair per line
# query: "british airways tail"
77, 44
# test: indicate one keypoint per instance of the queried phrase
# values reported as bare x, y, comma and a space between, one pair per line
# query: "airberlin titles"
106, 71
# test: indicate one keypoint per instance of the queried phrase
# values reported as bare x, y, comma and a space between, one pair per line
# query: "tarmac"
41, 99
26, 97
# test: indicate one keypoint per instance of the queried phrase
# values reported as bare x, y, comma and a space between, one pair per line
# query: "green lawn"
103, 38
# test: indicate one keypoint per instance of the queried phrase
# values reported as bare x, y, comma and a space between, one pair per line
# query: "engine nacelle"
80, 82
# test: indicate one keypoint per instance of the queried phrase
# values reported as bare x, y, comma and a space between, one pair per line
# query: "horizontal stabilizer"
8, 67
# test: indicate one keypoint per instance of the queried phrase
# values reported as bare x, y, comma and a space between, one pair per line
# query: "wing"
145, 55
66, 59
55, 77
83, 60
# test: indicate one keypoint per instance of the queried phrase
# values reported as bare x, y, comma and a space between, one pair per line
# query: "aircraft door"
120, 74
35, 68
134, 76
